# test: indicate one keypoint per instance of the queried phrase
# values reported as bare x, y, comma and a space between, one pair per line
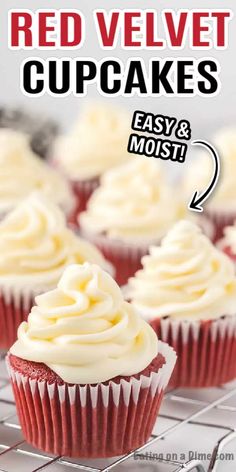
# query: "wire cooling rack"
195, 431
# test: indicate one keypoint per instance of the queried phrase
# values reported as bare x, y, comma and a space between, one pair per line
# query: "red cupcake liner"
14, 308
228, 251
207, 227
82, 191
124, 257
206, 350
220, 220
102, 420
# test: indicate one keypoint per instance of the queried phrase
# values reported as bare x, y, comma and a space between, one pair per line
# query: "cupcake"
221, 207
133, 207
187, 291
88, 373
22, 172
228, 242
35, 247
97, 142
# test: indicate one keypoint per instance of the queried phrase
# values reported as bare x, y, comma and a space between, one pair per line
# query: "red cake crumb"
40, 371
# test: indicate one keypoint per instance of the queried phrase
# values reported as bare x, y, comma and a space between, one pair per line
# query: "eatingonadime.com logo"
182, 456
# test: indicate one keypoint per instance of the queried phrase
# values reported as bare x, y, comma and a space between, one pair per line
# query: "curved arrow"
197, 198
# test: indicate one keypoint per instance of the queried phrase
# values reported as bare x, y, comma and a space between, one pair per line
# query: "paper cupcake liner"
228, 251
82, 191
206, 350
102, 420
125, 257
220, 221
14, 308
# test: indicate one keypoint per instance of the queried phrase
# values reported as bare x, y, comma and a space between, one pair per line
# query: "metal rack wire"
180, 409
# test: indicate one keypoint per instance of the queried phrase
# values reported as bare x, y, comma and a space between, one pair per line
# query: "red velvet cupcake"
128, 212
96, 143
88, 374
35, 247
187, 291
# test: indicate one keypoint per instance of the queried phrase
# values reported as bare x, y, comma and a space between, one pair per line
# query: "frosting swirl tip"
186, 277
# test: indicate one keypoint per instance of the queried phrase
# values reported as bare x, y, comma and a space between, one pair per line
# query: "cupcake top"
36, 246
133, 203
85, 331
229, 239
22, 172
97, 142
200, 172
185, 278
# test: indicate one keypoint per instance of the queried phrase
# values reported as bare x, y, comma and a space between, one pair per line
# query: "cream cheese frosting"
36, 246
97, 142
134, 202
22, 172
85, 331
185, 278
200, 172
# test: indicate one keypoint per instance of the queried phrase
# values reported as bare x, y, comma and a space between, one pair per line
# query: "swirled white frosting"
134, 203
84, 330
22, 172
186, 277
200, 172
97, 142
36, 246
